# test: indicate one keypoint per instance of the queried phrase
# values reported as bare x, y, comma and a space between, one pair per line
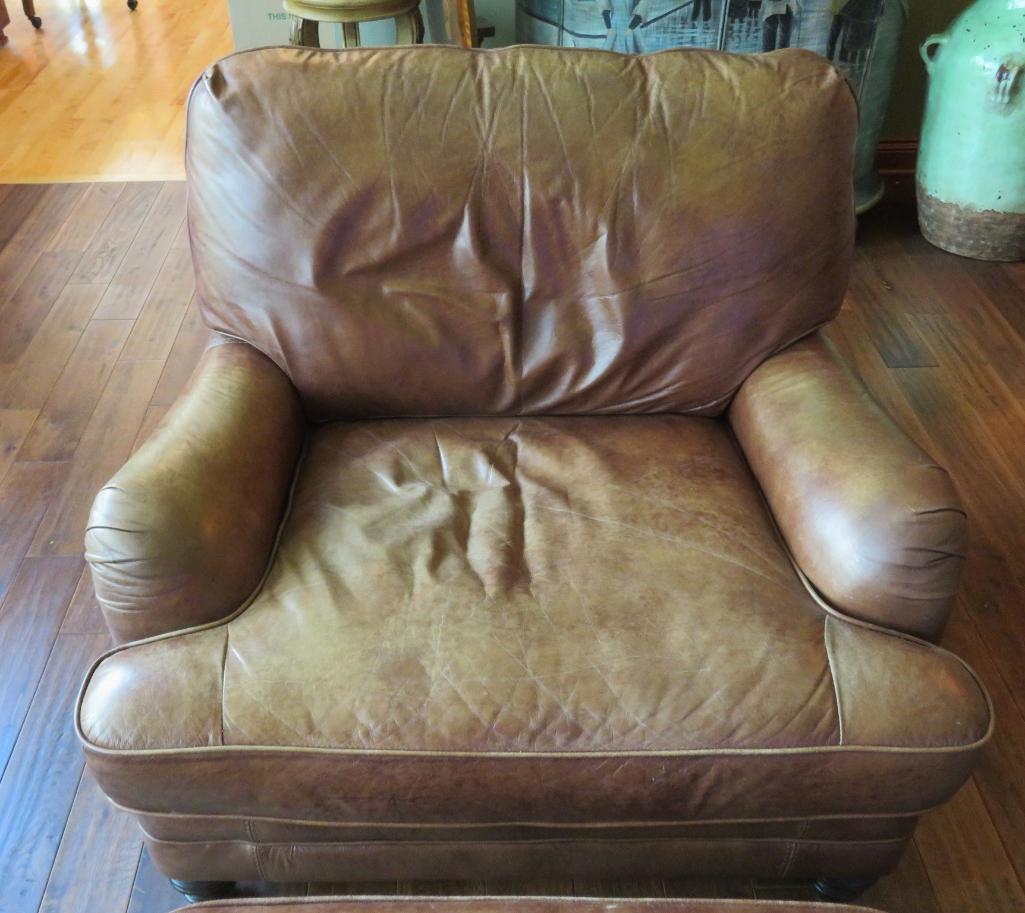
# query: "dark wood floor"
98, 332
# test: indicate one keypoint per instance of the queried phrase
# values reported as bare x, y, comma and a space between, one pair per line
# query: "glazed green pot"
971, 163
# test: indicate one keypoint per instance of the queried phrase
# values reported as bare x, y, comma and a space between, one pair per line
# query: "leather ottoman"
513, 905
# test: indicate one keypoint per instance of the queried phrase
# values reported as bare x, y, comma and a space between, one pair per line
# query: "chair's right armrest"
182, 535
870, 519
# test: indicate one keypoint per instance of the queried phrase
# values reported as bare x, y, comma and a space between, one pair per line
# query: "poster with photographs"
843, 30
628, 26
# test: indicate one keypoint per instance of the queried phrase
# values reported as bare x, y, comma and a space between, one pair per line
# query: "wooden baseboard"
897, 157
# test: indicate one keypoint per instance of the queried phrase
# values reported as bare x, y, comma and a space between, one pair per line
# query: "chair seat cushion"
563, 621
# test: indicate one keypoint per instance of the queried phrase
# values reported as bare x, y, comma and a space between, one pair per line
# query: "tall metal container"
971, 162
860, 36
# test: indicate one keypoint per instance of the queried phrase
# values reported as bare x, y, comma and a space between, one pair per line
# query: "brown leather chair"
520, 522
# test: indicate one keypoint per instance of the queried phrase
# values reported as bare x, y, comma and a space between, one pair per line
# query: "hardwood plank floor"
103, 335
98, 94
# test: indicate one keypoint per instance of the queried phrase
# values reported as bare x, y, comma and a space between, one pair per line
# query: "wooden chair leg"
409, 28
350, 34
303, 32
29, 6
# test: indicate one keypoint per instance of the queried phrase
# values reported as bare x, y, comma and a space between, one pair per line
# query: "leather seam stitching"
833, 676
199, 750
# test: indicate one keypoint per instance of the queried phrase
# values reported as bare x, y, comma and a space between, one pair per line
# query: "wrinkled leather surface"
522, 231
531, 643
539, 620
873, 522
182, 534
514, 905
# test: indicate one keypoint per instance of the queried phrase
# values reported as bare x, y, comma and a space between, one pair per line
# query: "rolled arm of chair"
873, 523
182, 534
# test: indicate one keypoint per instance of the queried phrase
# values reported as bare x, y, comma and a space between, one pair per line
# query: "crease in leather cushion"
474, 247
512, 904
576, 620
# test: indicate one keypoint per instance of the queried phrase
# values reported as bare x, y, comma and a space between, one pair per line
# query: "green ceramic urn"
971, 163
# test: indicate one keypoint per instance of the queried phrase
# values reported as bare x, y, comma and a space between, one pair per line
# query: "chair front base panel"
842, 890
589, 857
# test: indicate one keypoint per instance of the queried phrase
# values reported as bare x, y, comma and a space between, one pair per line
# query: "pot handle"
929, 49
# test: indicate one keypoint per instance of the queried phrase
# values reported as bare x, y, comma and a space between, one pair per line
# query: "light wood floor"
98, 94
99, 332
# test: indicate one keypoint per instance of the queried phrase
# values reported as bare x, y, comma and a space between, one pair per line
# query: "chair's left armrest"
871, 520
183, 533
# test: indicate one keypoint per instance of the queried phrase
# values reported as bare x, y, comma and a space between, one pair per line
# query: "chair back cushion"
440, 231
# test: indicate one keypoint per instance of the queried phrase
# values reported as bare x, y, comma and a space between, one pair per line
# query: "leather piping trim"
491, 52
582, 825
969, 747
673, 904
327, 844
528, 755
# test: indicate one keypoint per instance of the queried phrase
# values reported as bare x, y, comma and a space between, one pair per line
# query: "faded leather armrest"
871, 520
182, 534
